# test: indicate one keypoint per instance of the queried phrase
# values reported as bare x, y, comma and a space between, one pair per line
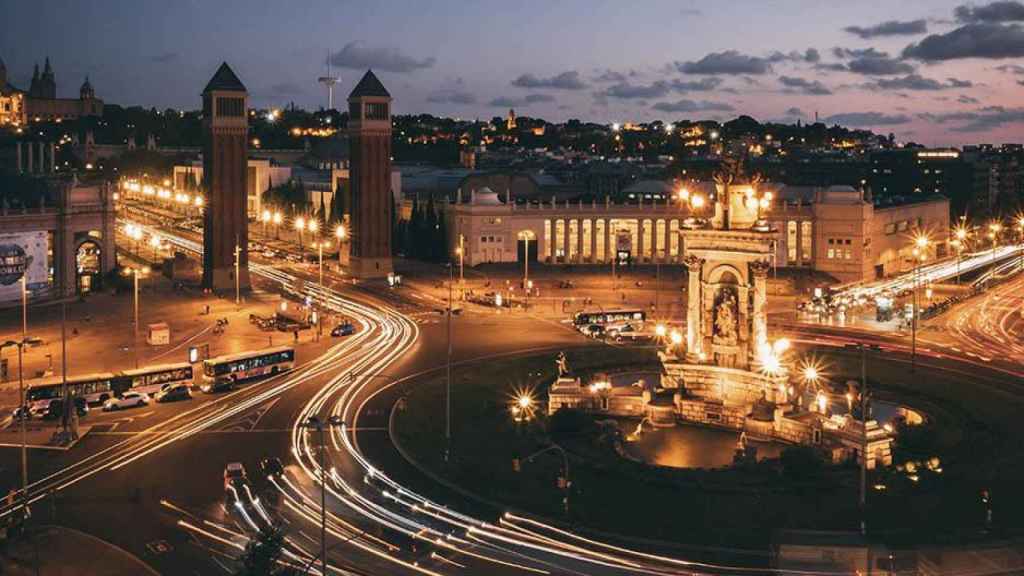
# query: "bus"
223, 371
94, 388
152, 378
604, 317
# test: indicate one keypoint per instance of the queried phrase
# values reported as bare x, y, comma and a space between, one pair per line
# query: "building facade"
866, 241
43, 105
12, 102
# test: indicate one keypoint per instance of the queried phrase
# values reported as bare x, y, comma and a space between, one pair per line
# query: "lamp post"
300, 225
135, 273
959, 242
278, 217
264, 218
920, 254
461, 251
994, 229
340, 233
526, 272
320, 258
154, 242
1020, 239
23, 415
448, 371
238, 265
314, 423
24, 305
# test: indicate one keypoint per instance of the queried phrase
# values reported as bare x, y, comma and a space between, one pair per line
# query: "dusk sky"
933, 71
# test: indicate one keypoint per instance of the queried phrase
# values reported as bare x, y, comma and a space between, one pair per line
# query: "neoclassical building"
12, 101
835, 230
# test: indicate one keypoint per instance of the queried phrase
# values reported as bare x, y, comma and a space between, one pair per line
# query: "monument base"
223, 280
370, 267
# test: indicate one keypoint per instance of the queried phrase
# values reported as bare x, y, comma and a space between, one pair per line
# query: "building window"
547, 240
659, 240
791, 242
831, 253
890, 229
602, 239
376, 111
230, 107
648, 237
587, 234
673, 239
560, 240
574, 237
806, 241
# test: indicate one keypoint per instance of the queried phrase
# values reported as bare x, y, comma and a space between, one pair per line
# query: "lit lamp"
300, 225
340, 233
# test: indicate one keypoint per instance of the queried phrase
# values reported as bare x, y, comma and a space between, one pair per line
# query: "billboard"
23, 254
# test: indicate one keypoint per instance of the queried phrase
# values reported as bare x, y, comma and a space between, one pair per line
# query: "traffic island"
930, 492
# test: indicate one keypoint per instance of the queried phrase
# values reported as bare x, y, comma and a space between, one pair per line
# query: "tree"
801, 463
263, 554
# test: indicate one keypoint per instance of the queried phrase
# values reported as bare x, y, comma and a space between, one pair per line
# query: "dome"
486, 197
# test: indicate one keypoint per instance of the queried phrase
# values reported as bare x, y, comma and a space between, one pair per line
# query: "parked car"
127, 400
627, 332
594, 330
343, 329
172, 393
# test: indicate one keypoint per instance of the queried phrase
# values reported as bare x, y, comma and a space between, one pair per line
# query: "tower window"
376, 111
230, 107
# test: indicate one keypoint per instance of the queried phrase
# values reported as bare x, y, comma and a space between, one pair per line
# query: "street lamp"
1020, 238
135, 273
994, 229
461, 251
154, 242
340, 233
300, 225
920, 253
22, 415
264, 218
314, 423
278, 217
959, 242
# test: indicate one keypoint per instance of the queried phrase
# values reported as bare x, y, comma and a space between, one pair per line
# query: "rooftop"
224, 79
369, 86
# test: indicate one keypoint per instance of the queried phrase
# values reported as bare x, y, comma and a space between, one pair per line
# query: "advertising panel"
22, 254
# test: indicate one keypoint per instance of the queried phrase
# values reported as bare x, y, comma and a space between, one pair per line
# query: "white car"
627, 332
127, 400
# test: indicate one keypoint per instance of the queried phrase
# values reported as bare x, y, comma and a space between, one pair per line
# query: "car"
268, 253
594, 330
55, 409
127, 400
235, 481
343, 329
172, 393
627, 332
271, 467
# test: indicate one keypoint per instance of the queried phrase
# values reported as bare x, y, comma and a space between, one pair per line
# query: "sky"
935, 72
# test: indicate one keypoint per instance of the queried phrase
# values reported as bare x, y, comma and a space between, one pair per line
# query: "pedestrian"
296, 334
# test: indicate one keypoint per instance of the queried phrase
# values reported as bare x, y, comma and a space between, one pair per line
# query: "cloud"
452, 96
847, 53
657, 89
867, 119
692, 106
810, 55
878, 66
166, 57
569, 80
507, 102
610, 76
831, 66
981, 40
357, 56
286, 89
794, 112
980, 120
1011, 69
916, 82
804, 85
1001, 11
691, 12
728, 62
965, 99
889, 28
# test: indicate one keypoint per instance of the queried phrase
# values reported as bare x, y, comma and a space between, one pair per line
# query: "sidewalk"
59, 551
100, 333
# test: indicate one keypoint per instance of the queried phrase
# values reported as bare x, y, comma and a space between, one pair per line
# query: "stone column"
28, 165
53, 157
640, 246
759, 270
579, 238
18, 165
694, 341
593, 240
609, 239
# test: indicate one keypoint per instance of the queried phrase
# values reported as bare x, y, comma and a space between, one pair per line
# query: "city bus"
151, 379
582, 320
94, 388
223, 371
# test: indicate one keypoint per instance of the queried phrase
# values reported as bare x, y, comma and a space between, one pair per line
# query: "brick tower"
369, 132
225, 160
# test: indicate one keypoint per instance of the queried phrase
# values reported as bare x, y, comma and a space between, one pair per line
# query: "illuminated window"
574, 236
648, 244
587, 232
659, 239
547, 240
602, 239
673, 239
791, 242
560, 240
806, 239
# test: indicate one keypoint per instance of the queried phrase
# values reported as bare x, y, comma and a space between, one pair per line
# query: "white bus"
152, 378
94, 388
223, 371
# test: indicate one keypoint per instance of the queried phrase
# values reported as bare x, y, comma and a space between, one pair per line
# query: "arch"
726, 274
526, 245
88, 265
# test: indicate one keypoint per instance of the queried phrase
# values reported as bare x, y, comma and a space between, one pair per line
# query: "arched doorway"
526, 246
88, 267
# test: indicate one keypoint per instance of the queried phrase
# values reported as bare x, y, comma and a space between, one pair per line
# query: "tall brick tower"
225, 160
369, 132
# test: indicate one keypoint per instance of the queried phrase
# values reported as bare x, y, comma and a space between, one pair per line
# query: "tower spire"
329, 81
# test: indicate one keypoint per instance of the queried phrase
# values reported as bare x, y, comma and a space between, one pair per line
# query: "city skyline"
938, 73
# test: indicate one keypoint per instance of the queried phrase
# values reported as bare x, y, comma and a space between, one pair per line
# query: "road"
152, 485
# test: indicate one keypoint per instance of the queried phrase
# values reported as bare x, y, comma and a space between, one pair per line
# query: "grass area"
738, 508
